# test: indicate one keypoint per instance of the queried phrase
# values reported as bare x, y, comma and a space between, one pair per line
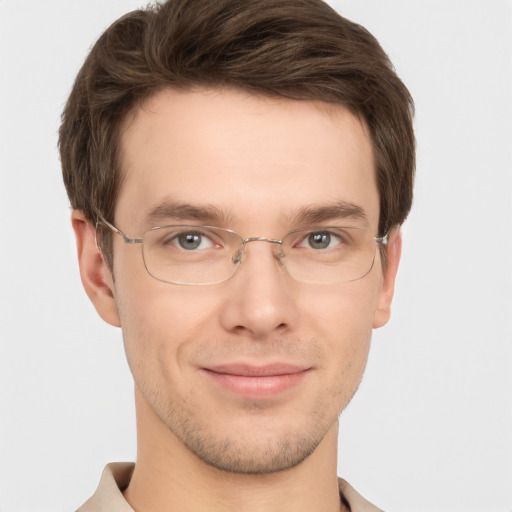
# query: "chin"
252, 457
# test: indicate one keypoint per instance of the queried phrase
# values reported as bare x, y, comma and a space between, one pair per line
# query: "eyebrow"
169, 210
323, 213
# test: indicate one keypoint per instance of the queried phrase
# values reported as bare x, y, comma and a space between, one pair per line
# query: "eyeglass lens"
187, 254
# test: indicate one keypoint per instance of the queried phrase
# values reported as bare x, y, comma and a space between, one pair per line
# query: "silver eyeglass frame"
378, 241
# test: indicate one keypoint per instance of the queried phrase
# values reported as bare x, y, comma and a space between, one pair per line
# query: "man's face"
251, 374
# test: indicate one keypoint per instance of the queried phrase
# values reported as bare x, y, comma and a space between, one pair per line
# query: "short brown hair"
297, 49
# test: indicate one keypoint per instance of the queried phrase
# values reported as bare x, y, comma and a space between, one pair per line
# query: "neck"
168, 477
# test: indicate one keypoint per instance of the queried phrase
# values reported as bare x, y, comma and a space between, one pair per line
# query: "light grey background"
431, 426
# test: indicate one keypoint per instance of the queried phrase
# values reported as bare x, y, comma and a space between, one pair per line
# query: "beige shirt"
109, 498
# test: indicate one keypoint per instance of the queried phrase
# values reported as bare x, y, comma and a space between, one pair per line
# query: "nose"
259, 299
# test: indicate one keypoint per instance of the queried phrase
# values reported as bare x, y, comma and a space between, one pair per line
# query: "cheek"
160, 323
342, 321
348, 308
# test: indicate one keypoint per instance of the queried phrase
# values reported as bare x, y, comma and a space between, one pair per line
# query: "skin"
260, 161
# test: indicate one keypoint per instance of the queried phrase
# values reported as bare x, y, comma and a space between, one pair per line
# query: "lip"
255, 381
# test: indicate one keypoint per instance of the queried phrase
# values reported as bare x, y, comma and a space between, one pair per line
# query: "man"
238, 173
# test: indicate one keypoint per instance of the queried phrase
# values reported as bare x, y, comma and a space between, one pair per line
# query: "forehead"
253, 158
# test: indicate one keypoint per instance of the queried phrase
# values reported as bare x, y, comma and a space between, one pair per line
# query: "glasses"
204, 255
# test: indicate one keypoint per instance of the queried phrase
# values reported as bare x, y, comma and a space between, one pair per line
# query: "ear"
96, 276
390, 269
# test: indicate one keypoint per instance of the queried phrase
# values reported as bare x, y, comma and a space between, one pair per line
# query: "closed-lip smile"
256, 381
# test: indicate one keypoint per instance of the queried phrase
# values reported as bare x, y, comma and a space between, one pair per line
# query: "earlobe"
385, 297
96, 276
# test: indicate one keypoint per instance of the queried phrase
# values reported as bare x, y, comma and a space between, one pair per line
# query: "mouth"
257, 382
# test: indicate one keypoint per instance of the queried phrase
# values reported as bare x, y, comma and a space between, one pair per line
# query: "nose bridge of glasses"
261, 239
240, 252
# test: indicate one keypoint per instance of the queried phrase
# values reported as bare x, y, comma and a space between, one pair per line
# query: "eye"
192, 240
319, 240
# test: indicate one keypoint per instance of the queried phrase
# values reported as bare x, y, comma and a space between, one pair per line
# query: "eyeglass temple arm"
382, 240
126, 238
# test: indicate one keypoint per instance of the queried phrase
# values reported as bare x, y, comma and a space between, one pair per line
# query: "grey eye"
319, 239
189, 241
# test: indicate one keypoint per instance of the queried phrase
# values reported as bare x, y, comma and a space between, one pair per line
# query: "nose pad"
277, 250
238, 256
279, 255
